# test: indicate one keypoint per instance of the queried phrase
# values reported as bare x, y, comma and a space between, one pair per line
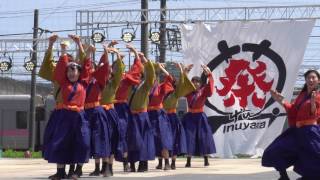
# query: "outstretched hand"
187, 68
75, 38
113, 43
206, 70
276, 96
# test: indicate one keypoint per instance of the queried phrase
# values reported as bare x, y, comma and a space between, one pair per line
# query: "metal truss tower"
89, 21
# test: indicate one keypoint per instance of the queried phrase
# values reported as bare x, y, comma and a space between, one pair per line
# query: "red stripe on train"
14, 132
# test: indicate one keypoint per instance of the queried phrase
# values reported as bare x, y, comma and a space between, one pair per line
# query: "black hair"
196, 78
73, 66
306, 74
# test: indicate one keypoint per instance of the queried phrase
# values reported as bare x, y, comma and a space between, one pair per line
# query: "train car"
14, 121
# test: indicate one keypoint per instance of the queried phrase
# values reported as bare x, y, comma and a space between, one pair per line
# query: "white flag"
247, 59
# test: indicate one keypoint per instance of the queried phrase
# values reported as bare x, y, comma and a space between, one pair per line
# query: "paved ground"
220, 169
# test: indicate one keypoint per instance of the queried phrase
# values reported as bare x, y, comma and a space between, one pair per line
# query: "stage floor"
226, 169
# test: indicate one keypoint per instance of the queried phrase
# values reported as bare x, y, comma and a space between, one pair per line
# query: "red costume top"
197, 99
98, 81
300, 109
159, 92
129, 79
73, 94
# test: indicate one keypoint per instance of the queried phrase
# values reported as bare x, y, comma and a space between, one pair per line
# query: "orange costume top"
197, 99
97, 83
299, 112
73, 94
129, 79
159, 92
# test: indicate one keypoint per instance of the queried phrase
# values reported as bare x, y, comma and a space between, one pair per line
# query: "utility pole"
144, 27
32, 113
162, 47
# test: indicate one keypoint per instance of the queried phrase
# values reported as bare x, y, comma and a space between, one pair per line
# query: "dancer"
183, 87
198, 131
100, 140
140, 134
108, 96
158, 117
70, 143
128, 81
299, 145
46, 72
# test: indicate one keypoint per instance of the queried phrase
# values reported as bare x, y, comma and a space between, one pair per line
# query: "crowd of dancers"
105, 113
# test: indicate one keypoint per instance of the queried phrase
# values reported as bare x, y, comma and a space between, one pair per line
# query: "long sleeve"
134, 75
108, 93
47, 67
208, 89
287, 106
167, 86
117, 75
85, 72
141, 98
61, 70
184, 86
160, 92
102, 73
82, 57
150, 76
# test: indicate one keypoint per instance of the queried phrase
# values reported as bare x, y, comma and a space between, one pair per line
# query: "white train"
14, 119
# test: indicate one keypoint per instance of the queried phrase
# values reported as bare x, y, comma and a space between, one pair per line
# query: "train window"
21, 120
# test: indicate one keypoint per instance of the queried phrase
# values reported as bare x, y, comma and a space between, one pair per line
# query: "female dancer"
198, 132
140, 134
299, 145
108, 96
46, 72
100, 140
70, 143
159, 119
128, 81
183, 87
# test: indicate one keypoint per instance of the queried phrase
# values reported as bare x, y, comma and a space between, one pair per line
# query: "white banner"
247, 60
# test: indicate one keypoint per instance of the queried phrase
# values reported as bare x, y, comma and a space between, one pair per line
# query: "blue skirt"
100, 140
123, 112
179, 136
112, 123
163, 137
283, 151
198, 134
141, 145
308, 163
70, 140
49, 130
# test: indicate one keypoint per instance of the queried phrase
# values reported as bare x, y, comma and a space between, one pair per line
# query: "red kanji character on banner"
238, 73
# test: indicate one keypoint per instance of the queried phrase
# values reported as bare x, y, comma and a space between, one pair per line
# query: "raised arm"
150, 75
61, 69
167, 85
87, 66
103, 71
47, 67
118, 69
132, 49
208, 88
82, 53
184, 85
